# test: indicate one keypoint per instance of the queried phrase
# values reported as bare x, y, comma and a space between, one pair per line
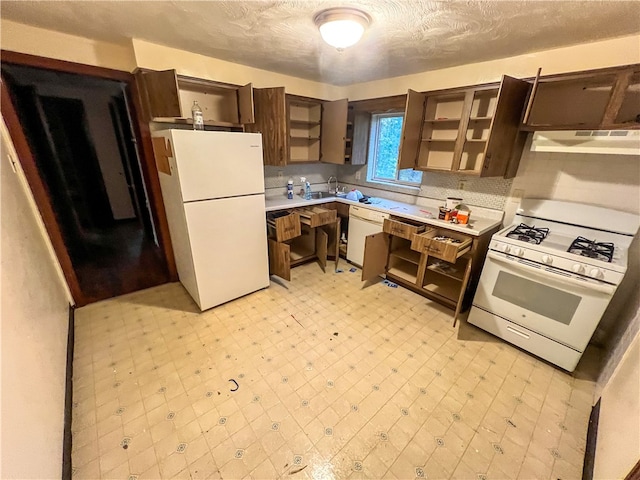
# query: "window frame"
373, 154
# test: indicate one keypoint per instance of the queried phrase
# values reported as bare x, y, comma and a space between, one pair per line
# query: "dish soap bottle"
307, 191
290, 189
196, 114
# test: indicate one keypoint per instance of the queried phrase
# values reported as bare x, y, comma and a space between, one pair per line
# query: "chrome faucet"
335, 191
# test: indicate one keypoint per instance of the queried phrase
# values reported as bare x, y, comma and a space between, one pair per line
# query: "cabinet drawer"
316, 216
441, 244
284, 225
402, 228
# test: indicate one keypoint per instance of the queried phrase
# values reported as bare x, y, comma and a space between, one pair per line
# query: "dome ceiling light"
341, 27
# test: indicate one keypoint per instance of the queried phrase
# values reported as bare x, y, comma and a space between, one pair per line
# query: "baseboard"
68, 400
590, 449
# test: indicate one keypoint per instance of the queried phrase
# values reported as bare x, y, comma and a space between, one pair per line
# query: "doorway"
83, 144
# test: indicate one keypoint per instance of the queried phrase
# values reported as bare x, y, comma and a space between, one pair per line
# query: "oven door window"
536, 297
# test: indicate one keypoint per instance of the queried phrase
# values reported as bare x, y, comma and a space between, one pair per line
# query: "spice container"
452, 203
463, 216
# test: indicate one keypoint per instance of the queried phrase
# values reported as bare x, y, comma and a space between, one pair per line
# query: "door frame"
37, 185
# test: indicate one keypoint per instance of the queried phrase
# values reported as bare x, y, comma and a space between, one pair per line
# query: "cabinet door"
360, 140
333, 240
376, 253
162, 93
322, 241
333, 131
280, 259
504, 126
411, 130
245, 104
271, 120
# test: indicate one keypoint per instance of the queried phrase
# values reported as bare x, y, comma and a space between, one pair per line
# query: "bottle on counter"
307, 191
290, 189
196, 115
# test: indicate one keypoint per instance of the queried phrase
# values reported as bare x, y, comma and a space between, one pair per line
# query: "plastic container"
196, 115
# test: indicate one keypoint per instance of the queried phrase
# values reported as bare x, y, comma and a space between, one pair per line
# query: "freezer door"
228, 240
217, 164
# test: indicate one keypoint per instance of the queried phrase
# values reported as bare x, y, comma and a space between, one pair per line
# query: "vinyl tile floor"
315, 378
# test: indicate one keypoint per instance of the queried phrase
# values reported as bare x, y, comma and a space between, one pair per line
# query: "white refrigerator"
213, 190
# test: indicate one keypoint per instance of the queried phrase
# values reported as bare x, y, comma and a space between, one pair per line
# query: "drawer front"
284, 227
316, 216
448, 251
401, 229
528, 340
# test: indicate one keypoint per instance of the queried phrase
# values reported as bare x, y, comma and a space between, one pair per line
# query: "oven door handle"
602, 288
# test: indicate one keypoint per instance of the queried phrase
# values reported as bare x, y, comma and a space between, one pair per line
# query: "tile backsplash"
611, 181
316, 173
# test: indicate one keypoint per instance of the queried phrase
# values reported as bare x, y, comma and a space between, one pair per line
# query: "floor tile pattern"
316, 378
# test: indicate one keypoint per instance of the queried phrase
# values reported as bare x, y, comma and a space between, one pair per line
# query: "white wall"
33, 329
618, 441
18, 37
158, 57
605, 53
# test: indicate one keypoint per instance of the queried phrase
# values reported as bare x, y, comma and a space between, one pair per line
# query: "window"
386, 129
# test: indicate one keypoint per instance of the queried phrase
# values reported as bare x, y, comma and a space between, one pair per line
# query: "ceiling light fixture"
341, 27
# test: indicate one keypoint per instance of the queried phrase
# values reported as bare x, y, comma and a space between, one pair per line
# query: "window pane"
389, 130
409, 175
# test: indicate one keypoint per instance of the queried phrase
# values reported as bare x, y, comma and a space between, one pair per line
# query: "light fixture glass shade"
341, 27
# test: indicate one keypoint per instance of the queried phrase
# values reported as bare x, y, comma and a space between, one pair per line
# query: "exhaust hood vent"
611, 142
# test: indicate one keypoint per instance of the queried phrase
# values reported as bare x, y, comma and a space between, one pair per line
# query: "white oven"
554, 303
549, 277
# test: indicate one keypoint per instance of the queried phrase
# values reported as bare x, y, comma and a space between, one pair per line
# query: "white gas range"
549, 277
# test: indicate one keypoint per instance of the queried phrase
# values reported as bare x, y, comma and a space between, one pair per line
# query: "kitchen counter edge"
479, 225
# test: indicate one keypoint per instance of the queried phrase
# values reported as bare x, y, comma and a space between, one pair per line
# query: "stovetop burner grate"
528, 234
592, 249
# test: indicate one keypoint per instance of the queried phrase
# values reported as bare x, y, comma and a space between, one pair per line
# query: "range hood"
613, 142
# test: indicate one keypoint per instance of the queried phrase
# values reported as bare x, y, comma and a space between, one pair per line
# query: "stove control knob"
518, 252
577, 268
547, 259
596, 273
504, 248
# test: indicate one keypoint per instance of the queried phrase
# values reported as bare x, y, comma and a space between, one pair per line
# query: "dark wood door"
102, 253
271, 120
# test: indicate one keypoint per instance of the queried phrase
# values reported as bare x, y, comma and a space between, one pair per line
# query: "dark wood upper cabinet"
333, 132
169, 98
470, 130
595, 100
271, 120
358, 150
299, 129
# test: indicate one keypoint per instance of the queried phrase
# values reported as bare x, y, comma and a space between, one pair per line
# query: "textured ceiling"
405, 37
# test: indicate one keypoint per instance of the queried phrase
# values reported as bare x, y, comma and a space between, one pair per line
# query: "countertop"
428, 214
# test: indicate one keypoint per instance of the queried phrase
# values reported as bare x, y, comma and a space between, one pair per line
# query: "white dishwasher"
362, 222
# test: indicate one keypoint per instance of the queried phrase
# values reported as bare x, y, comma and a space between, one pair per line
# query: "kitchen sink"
317, 195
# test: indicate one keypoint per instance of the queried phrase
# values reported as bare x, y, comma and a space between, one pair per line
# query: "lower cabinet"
436, 263
301, 235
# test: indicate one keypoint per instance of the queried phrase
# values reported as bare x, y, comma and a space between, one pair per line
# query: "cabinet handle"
518, 332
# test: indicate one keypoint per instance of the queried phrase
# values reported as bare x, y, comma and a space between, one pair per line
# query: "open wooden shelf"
443, 286
301, 137
442, 120
457, 275
407, 254
304, 123
404, 270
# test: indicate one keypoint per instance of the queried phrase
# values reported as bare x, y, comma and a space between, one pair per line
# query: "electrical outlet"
280, 176
358, 175
462, 184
